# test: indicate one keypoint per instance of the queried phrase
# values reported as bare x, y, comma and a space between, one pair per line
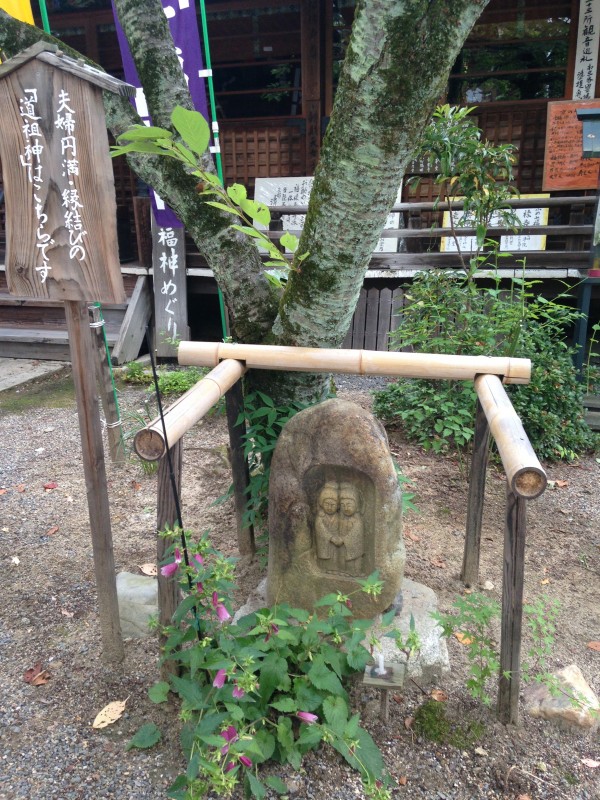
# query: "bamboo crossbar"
150, 444
359, 362
524, 473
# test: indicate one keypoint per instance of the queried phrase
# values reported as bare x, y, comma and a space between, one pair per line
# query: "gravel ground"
48, 749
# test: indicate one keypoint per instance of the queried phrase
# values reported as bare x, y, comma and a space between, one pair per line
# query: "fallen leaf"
523, 797
397, 698
439, 562
439, 695
402, 780
545, 582
594, 646
20, 487
468, 591
109, 714
480, 751
561, 484
488, 586
36, 676
135, 485
589, 762
51, 531
50, 485
463, 638
148, 569
3, 491
66, 613
408, 722
412, 536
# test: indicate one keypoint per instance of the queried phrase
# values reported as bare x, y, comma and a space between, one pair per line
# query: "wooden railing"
568, 237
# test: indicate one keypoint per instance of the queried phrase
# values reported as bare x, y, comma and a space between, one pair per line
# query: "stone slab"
18, 371
138, 603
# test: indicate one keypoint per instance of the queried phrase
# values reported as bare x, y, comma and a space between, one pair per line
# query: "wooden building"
275, 67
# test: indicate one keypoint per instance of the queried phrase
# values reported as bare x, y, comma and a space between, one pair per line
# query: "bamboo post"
524, 473
234, 404
150, 444
481, 448
361, 362
512, 608
167, 517
104, 380
82, 357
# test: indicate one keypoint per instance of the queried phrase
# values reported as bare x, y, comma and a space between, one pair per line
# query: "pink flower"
237, 692
307, 717
171, 569
272, 629
230, 735
220, 678
222, 612
246, 761
229, 767
199, 587
199, 560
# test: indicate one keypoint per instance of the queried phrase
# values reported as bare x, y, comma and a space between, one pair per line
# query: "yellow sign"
19, 9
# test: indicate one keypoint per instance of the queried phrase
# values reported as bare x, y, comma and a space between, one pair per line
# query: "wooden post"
481, 448
82, 356
512, 608
166, 517
234, 404
114, 432
310, 45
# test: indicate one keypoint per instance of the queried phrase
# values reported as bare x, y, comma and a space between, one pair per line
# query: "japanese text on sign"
168, 264
586, 56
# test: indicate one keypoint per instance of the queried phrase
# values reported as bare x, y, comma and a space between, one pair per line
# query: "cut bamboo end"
524, 473
359, 362
150, 443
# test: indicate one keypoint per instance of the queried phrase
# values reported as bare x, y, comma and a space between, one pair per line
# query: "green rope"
112, 375
44, 15
215, 129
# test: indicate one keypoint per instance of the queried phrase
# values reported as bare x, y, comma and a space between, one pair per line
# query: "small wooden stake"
234, 403
512, 609
106, 388
166, 517
82, 357
479, 460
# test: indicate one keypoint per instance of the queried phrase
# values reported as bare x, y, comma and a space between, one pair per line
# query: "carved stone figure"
334, 509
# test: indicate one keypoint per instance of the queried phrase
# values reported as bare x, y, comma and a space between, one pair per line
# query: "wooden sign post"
61, 243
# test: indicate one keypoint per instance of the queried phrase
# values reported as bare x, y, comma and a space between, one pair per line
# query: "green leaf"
286, 704
147, 736
265, 742
255, 210
307, 698
144, 132
273, 675
323, 678
237, 192
236, 713
192, 127
290, 241
277, 784
190, 692
309, 738
285, 737
159, 692
139, 147
223, 207
256, 787
248, 231
336, 713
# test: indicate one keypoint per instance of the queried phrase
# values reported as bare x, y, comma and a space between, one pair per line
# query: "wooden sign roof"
61, 237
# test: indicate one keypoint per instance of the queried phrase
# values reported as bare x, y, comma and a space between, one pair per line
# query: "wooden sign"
564, 164
170, 293
60, 203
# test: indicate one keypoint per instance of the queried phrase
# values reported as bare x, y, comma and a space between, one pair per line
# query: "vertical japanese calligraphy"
586, 54
564, 164
170, 299
61, 237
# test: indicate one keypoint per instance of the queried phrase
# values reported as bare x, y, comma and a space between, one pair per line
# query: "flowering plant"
269, 686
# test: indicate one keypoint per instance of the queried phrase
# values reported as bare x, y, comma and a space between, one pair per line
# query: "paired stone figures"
339, 529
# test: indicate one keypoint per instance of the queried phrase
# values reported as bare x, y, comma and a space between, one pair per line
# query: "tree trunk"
398, 61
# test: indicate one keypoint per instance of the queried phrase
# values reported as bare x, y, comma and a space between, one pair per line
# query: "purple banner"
184, 30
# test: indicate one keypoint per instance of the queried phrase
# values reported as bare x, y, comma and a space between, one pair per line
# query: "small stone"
576, 705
